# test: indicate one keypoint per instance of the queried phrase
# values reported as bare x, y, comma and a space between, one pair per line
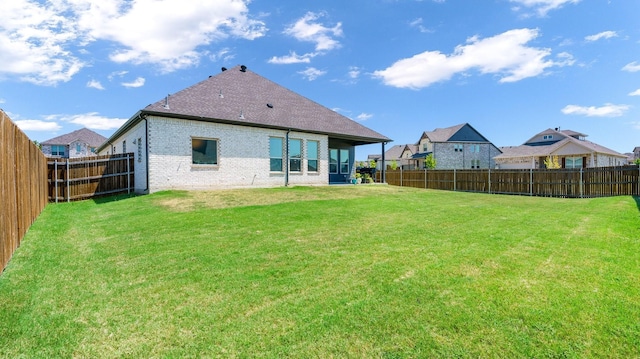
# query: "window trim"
281, 158
217, 159
292, 158
316, 153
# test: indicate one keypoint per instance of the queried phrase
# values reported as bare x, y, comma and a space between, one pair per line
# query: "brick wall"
243, 156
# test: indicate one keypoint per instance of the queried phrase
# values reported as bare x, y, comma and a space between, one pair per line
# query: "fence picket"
568, 183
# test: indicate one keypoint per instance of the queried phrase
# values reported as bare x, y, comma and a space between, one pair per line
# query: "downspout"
286, 156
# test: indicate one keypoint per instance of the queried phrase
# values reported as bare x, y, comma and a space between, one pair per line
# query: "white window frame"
217, 147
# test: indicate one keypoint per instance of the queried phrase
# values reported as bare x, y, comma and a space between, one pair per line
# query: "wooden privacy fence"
86, 177
23, 186
569, 183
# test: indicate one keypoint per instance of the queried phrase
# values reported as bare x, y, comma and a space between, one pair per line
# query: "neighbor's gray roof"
84, 134
540, 151
246, 98
442, 134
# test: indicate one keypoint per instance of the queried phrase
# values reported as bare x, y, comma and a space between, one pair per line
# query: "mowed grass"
348, 271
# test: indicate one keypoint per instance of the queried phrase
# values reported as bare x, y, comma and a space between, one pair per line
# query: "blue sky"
510, 68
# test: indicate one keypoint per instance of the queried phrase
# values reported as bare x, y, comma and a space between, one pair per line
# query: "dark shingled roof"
246, 98
84, 134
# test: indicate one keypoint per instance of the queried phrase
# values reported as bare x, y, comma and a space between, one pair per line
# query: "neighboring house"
400, 154
571, 147
79, 143
239, 129
636, 153
456, 147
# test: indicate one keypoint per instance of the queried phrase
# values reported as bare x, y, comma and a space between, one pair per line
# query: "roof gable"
239, 96
458, 133
84, 135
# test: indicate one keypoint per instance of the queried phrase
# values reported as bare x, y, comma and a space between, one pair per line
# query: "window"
139, 149
312, 156
295, 155
204, 151
57, 150
78, 148
333, 160
344, 161
548, 137
474, 148
475, 163
573, 162
124, 146
457, 147
93, 149
275, 154
425, 147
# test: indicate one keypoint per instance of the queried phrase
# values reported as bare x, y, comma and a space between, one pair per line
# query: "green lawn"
347, 271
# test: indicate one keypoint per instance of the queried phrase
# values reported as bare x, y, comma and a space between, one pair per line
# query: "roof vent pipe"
224, 69
243, 68
166, 103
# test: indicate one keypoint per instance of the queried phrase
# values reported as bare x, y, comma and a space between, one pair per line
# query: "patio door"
339, 165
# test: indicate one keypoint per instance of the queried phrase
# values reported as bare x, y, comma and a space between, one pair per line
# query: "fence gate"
87, 177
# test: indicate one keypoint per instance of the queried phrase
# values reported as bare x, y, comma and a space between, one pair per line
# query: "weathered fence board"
23, 193
82, 178
568, 183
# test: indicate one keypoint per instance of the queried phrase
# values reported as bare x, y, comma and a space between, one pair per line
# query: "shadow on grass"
113, 198
637, 199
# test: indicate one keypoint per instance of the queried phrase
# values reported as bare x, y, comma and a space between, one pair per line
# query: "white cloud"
2, 100
635, 93
92, 120
364, 116
292, 58
307, 29
601, 35
95, 84
138, 82
631, 67
417, 23
542, 7
33, 42
354, 72
38, 39
37, 125
178, 28
505, 54
311, 73
608, 110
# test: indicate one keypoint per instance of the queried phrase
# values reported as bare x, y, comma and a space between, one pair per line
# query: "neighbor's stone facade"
447, 157
243, 156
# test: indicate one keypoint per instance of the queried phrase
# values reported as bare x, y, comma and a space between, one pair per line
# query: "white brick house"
238, 129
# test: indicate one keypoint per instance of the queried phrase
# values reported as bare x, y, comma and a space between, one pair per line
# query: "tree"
430, 162
637, 161
38, 144
394, 165
552, 162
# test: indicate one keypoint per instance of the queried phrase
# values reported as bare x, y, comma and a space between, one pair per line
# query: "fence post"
489, 180
68, 193
55, 171
455, 181
128, 176
401, 182
581, 184
531, 182
425, 178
